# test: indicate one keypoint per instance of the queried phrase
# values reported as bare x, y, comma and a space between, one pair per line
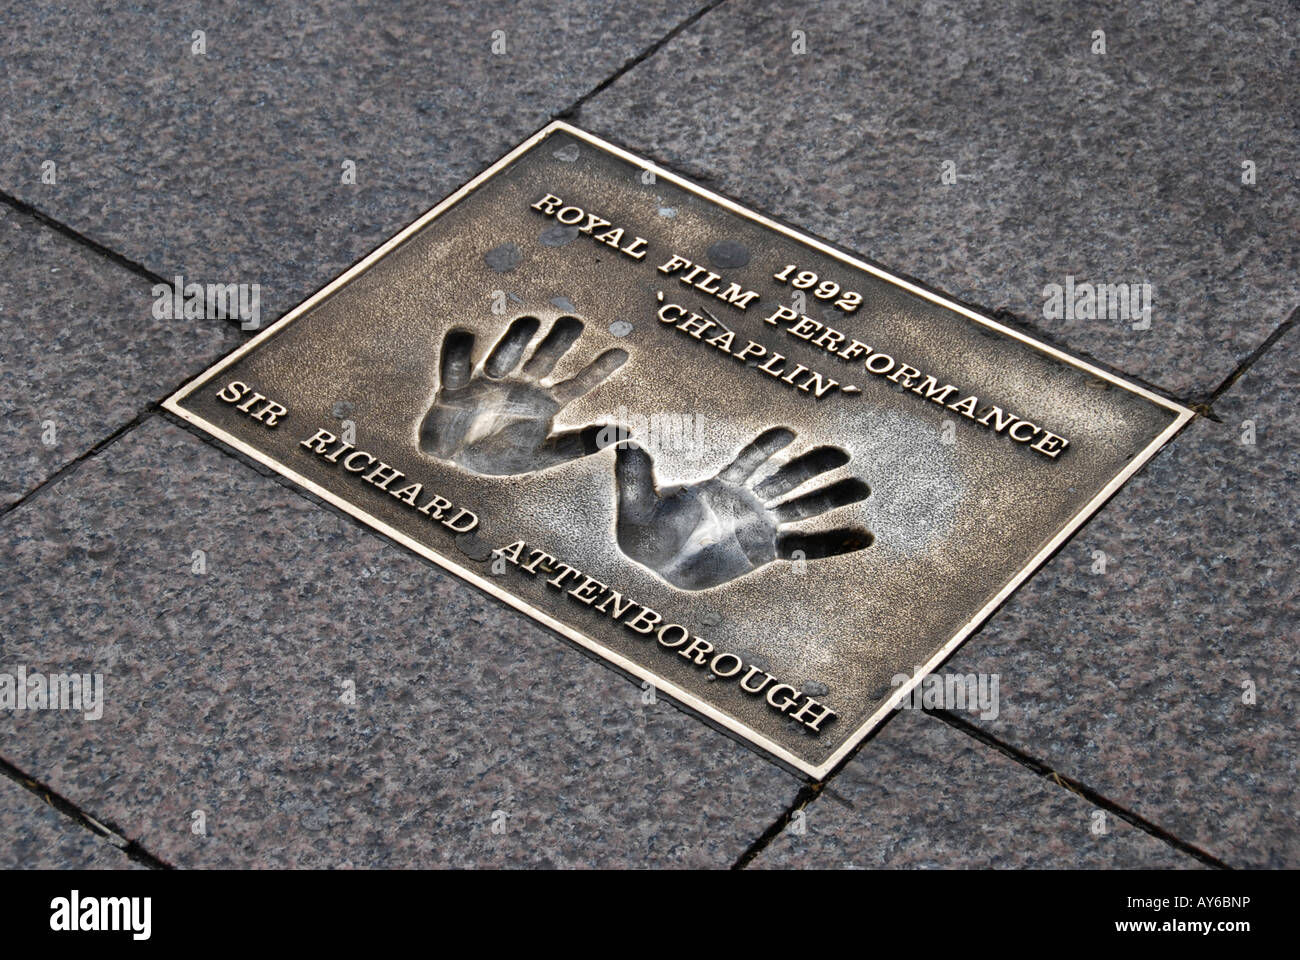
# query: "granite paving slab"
1155, 659
38, 837
82, 353
922, 795
302, 136
286, 689
1117, 168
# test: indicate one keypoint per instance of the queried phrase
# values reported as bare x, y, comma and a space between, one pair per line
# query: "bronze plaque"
774, 481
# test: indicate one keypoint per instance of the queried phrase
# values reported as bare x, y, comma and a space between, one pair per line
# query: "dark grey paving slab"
228, 166
226, 691
38, 837
1135, 680
82, 353
1122, 168
922, 795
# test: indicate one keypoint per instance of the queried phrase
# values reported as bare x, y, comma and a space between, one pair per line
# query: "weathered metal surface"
770, 479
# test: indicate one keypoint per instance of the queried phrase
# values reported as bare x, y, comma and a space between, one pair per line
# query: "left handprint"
497, 421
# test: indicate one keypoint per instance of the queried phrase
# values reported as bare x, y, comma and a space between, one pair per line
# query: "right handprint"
708, 533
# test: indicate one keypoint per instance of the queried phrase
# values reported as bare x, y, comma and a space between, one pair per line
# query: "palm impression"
707, 533
499, 420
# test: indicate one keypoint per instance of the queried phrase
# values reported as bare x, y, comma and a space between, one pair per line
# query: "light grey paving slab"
922, 795
228, 166
1117, 168
477, 738
38, 837
1156, 658
81, 353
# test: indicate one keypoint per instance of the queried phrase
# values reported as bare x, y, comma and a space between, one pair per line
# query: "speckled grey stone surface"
1122, 168
229, 166
225, 688
1131, 680
226, 691
922, 795
38, 837
82, 353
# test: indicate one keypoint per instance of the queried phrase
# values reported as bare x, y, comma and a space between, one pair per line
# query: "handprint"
497, 422
707, 533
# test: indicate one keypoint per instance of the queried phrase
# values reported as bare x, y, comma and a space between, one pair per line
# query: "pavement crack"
104, 830
806, 795
72, 465
151, 408
570, 112
1206, 405
79, 238
76, 236
1080, 789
